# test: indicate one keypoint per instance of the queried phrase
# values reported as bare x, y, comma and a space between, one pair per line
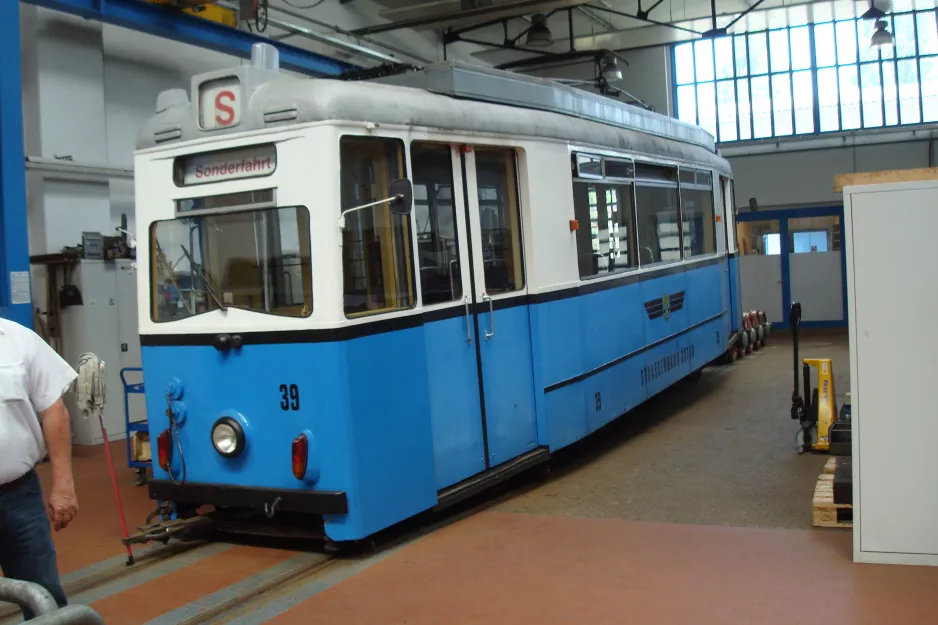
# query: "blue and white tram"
553, 273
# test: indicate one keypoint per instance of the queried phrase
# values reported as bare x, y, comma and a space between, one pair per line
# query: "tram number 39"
289, 397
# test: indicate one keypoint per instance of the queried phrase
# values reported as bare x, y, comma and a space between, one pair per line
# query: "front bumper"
304, 501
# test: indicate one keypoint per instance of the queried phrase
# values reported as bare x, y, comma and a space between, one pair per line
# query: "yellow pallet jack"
823, 430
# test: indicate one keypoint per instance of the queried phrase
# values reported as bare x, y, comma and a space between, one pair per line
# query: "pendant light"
881, 38
539, 34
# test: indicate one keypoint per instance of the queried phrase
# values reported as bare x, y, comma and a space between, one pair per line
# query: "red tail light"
299, 455
164, 449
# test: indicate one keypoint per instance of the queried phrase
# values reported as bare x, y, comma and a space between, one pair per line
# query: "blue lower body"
26, 549
395, 419
735, 307
598, 356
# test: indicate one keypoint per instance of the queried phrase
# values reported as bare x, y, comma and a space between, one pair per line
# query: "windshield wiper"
202, 276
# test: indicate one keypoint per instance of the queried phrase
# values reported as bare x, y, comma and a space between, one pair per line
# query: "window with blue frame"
810, 79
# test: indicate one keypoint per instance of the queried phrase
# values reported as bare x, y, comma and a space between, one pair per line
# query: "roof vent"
280, 114
265, 56
167, 134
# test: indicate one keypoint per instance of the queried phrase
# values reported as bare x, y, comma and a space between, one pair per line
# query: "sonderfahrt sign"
250, 162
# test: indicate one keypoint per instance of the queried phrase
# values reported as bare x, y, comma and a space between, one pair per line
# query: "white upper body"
32, 378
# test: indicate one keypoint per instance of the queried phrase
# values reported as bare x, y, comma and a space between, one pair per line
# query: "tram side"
613, 336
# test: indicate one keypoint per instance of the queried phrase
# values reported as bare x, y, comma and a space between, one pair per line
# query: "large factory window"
435, 221
811, 79
377, 256
700, 238
604, 213
256, 260
659, 239
500, 217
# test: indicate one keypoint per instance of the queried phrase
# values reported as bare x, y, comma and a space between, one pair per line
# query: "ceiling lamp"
609, 68
539, 34
881, 38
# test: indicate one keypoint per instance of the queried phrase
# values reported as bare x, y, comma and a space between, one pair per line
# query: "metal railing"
46, 611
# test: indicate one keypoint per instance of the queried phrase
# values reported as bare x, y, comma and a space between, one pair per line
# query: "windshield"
255, 260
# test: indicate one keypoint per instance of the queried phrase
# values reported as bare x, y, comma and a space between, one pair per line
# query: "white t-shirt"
32, 378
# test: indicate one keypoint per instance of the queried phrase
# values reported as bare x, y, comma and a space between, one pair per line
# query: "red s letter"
224, 114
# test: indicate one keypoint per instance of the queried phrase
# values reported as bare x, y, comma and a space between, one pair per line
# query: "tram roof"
449, 96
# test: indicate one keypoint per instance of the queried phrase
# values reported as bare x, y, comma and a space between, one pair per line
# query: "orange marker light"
574, 225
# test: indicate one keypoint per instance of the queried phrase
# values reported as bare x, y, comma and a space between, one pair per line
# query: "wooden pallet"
824, 512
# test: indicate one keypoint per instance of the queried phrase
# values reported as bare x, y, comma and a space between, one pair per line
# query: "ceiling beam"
515, 8
163, 22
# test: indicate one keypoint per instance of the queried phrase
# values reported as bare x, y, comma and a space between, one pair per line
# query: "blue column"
15, 301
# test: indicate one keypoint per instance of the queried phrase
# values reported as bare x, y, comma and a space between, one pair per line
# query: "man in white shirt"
33, 423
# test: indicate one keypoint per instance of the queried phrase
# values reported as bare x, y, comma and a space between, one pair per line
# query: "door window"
759, 238
814, 234
435, 221
500, 220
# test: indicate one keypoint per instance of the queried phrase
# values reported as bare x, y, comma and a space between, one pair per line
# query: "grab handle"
468, 324
489, 335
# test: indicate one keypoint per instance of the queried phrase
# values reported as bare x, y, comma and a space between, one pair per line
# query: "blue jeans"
26, 549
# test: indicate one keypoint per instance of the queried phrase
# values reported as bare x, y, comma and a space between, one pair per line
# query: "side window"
377, 259
659, 238
604, 212
435, 221
729, 214
500, 219
698, 228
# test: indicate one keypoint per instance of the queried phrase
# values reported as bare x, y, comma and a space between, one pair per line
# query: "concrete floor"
718, 452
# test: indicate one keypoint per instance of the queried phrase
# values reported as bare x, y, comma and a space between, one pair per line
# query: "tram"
363, 299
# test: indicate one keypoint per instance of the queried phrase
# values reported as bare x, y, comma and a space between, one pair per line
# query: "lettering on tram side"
289, 397
666, 363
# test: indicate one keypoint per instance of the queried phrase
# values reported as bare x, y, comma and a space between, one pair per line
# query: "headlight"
228, 437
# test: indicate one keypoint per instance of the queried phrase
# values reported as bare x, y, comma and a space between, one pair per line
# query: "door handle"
468, 325
489, 335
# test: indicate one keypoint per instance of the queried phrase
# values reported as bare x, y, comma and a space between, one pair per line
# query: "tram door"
473, 288
499, 291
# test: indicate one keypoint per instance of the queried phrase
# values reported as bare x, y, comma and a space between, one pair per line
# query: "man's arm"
63, 504
49, 379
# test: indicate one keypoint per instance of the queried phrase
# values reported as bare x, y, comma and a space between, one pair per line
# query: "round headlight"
228, 437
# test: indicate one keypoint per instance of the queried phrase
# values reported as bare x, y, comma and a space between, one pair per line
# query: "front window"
256, 260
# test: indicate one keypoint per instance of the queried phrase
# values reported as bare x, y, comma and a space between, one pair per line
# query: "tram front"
239, 290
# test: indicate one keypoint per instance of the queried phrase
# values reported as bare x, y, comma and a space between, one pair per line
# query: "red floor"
525, 568
95, 534
517, 568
